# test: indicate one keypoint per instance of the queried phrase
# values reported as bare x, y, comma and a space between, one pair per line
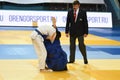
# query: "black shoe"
86, 62
70, 62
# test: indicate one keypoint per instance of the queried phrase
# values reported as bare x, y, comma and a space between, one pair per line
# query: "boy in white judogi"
48, 32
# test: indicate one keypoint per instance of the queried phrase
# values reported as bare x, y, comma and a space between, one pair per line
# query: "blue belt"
39, 33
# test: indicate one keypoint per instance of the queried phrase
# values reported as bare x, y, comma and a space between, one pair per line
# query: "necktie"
74, 15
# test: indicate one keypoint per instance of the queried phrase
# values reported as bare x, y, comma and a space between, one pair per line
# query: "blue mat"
17, 52
28, 52
97, 52
113, 34
113, 51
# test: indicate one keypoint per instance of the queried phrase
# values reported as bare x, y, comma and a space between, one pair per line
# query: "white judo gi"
37, 40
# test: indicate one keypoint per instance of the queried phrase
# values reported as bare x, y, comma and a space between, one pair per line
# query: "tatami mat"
18, 60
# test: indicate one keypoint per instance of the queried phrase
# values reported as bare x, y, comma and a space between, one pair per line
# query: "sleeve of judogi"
51, 31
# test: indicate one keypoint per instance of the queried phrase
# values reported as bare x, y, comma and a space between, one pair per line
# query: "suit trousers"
81, 46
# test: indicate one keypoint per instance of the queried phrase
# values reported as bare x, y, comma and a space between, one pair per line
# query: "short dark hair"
76, 2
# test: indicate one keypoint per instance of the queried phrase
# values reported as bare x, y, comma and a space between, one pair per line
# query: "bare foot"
45, 70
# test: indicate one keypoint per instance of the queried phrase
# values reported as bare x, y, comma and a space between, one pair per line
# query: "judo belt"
39, 33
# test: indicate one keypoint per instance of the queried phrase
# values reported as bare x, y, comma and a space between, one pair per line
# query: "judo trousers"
40, 50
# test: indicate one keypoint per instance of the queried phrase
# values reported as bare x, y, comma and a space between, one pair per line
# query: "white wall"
54, 1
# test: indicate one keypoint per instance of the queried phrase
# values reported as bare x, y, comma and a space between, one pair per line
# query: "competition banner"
38, 18
31, 18
99, 19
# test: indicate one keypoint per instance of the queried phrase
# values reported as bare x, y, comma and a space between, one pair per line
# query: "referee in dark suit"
77, 27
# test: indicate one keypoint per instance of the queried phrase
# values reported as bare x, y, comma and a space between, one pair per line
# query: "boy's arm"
53, 22
52, 38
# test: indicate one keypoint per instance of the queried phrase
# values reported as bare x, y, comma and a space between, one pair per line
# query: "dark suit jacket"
78, 28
